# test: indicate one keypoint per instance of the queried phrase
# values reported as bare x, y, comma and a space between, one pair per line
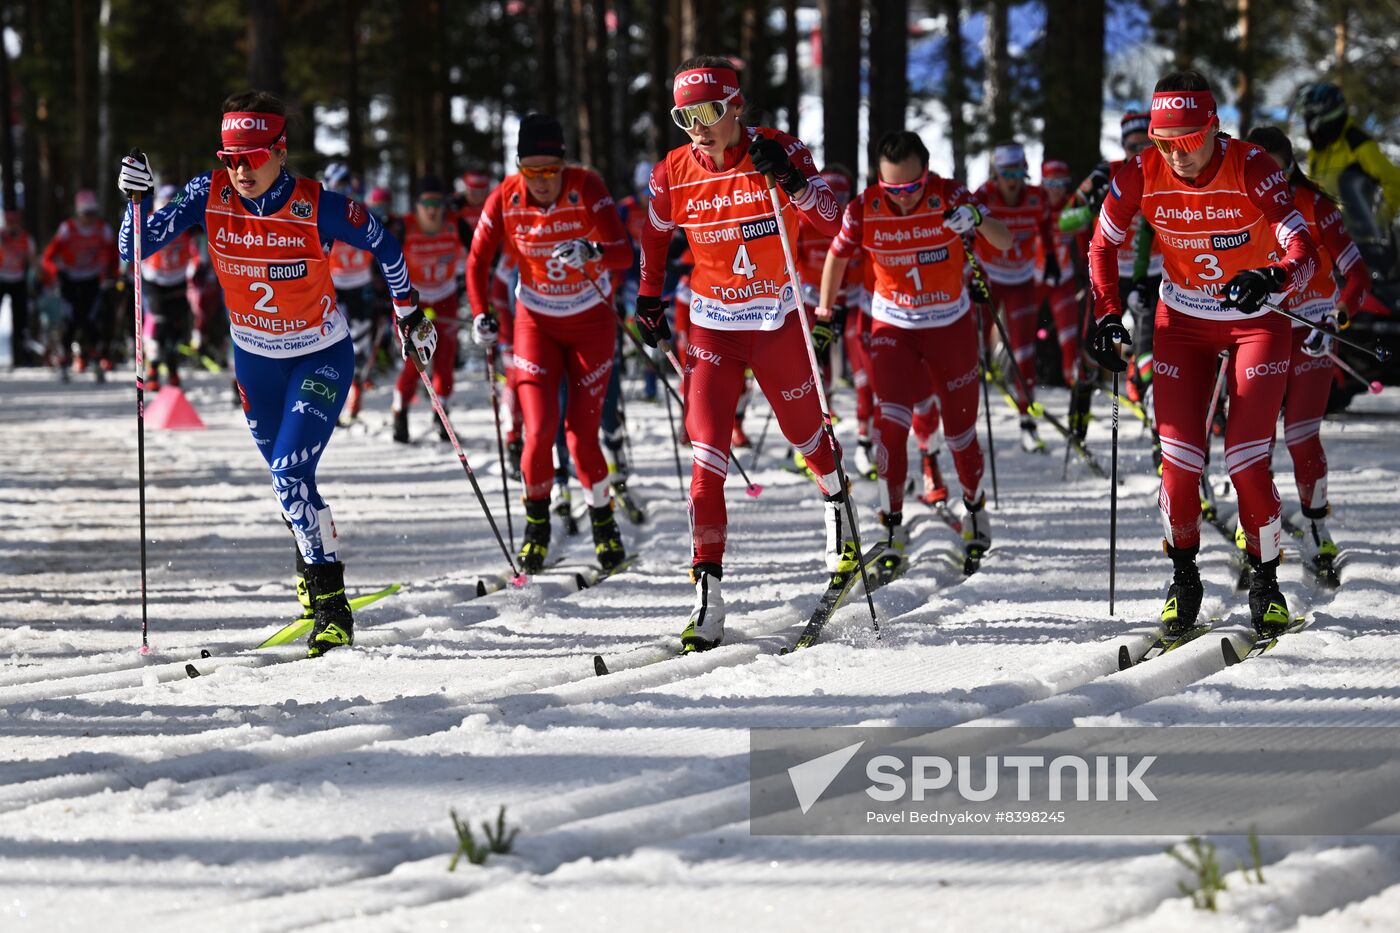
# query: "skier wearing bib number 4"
269, 234
741, 306
1231, 240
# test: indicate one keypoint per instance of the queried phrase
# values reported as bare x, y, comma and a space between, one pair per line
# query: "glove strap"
403, 308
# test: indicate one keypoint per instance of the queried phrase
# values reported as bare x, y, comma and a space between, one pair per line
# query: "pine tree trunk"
661, 65
840, 81
889, 62
1072, 78
354, 106
997, 85
547, 59
1245, 87
792, 78
265, 46
755, 49
955, 93
7, 135
620, 72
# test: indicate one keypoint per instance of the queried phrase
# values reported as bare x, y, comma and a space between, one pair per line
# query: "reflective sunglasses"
431, 202
1133, 148
1054, 183
1013, 173
533, 172
707, 112
253, 158
1188, 143
907, 188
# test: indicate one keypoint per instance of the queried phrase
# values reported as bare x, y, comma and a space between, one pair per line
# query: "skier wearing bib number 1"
740, 308
1231, 239
269, 233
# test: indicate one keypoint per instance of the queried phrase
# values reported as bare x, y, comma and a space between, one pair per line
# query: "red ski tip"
754, 490
519, 580
1376, 388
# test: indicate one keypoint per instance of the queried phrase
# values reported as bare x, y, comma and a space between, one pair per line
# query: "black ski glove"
770, 158
1247, 291
650, 316
1109, 337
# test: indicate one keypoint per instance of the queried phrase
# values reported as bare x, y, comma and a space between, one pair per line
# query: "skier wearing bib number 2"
269, 234
714, 188
1231, 239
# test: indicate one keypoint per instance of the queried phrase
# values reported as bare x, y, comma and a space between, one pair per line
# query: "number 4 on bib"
743, 265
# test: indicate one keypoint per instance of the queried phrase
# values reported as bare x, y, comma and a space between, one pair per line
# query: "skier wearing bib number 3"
1231, 239
714, 188
269, 234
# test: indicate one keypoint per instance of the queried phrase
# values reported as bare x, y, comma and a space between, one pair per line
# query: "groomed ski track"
272, 793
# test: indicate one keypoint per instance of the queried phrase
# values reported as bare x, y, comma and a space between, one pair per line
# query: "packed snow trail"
276, 793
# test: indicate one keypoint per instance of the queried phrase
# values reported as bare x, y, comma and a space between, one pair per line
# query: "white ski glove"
416, 332
963, 220
485, 329
577, 253
134, 178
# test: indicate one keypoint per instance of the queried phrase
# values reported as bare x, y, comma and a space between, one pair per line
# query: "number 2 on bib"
264, 291
743, 265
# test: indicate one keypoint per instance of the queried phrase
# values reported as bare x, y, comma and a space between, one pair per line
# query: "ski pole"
136, 244
763, 433
1380, 353
821, 397
500, 444
987, 400
1113, 505
622, 396
1373, 386
1215, 395
750, 487
516, 577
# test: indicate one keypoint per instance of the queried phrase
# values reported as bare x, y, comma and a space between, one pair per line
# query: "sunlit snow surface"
269, 794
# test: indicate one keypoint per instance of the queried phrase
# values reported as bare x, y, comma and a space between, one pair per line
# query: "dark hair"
1273, 140
1185, 80
900, 145
708, 61
255, 102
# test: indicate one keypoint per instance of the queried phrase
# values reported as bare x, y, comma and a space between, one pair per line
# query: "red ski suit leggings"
547, 349
1064, 310
1309, 385
1020, 305
715, 361
903, 363
443, 365
1185, 364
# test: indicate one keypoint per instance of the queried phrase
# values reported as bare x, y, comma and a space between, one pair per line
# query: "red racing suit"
1237, 214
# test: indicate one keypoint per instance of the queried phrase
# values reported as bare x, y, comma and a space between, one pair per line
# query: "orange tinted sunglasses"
1188, 143
533, 172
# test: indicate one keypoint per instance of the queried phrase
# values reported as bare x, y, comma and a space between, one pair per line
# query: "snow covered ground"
268, 795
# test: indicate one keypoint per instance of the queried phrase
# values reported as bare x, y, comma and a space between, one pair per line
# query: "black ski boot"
1268, 610
607, 538
1079, 399
303, 594
1183, 605
325, 584
977, 534
515, 450
535, 548
401, 425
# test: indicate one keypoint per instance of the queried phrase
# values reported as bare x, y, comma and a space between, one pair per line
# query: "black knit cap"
428, 184
540, 135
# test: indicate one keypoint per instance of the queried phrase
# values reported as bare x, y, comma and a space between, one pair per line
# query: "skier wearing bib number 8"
1231, 240
269, 234
559, 223
741, 306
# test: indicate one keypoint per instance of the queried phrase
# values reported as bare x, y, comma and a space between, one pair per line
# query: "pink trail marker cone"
171, 411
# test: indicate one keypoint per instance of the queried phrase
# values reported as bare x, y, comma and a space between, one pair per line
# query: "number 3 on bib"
743, 265
1211, 270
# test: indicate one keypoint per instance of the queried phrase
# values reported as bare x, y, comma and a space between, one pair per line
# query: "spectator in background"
82, 260
16, 260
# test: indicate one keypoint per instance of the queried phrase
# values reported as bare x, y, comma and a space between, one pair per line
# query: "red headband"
837, 182
1179, 109
253, 130
702, 84
1054, 168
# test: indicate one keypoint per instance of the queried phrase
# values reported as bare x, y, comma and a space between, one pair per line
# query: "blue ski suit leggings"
292, 405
